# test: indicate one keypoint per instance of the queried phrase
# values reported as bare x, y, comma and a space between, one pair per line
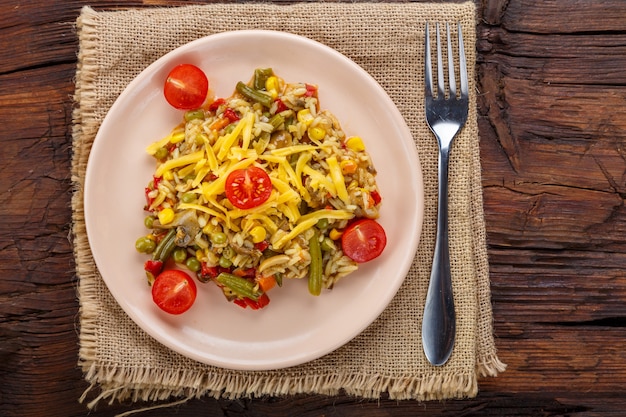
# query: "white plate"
295, 327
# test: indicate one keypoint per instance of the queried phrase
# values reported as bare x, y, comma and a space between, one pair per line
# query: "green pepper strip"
254, 95
260, 77
276, 121
315, 268
279, 279
165, 247
240, 286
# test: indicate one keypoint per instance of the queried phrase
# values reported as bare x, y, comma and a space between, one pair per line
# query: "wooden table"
552, 117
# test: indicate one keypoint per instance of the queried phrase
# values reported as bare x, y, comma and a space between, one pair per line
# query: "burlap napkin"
123, 363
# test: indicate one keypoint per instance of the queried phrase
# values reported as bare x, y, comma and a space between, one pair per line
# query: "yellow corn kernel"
166, 216
316, 133
355, 143
258, 234
208, 229
271, 85
168, 176
305, 116
348, 166
177, 137
335, 234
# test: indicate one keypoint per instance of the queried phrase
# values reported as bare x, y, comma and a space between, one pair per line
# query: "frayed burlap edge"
110, 381
429, 387
84, 125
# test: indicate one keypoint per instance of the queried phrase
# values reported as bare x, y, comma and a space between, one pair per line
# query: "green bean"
193, 264
194, 114
165, 247
279, 279
276, 121
145, 245
254, 95
315, 268
240, 286
260, 77
179, 255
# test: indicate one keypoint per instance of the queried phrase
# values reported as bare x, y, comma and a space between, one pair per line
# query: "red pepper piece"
261, 246
241, 303
311, 90
149, 199
231, 115
280, 106
262, 301
209, 272
376, 197
215, 105
258, 304
153, 269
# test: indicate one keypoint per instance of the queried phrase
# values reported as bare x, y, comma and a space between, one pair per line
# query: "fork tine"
440, 82
462, 64
428, 70
451, 77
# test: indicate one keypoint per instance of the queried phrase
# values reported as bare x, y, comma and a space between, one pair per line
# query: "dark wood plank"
552, 123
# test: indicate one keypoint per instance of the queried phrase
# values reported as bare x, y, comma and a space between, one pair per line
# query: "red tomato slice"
186, 87
363, 240
248, 188
174, 291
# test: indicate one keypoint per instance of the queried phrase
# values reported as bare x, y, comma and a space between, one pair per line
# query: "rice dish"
321, 180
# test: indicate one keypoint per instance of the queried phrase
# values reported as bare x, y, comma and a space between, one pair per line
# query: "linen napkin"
121, 362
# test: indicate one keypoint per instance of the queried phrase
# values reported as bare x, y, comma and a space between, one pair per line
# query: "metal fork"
446, 115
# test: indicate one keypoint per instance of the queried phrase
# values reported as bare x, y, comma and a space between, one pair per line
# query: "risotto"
258, 188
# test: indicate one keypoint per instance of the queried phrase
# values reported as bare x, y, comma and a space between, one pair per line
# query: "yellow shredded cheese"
338, 180
320, 181
289, 150
202, 208
224, 143
246, 135
328, 214
179, 162
308, 221
152, 148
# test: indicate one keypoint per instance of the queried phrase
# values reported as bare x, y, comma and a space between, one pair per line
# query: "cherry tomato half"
249, 187
174, 291
363, 240
186, 87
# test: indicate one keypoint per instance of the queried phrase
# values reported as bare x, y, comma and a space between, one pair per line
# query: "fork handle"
439, 323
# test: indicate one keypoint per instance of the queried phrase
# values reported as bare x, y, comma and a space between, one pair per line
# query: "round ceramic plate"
296, 327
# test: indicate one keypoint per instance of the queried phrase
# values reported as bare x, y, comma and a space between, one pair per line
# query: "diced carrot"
220, 123
266, 282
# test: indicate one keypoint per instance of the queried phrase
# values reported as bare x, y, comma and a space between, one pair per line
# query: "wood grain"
552, 119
